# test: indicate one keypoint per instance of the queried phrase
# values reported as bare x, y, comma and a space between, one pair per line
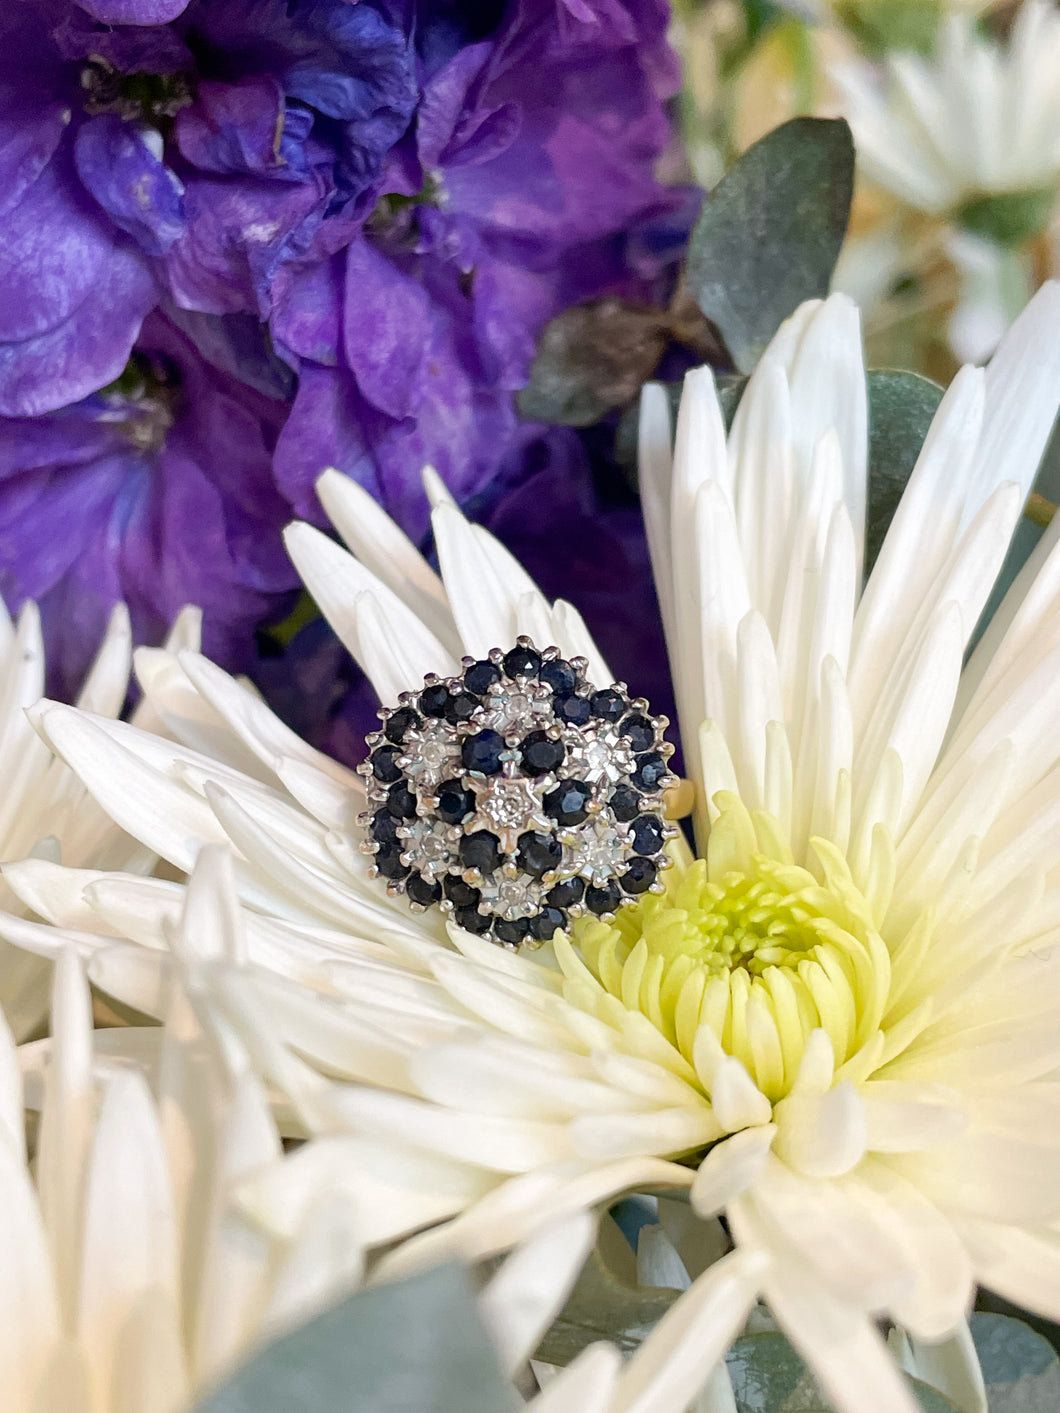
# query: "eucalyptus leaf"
606, 1303
415, 1346
592, 358
769, 233
1021, 1369
901, 406
768, 1376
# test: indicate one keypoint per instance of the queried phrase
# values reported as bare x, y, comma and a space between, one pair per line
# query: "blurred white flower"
978, 121
45, 811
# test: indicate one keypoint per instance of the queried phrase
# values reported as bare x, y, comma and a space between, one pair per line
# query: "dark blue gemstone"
433, 700
480, 677
396, 725
607, 705
460, 707
423, 890
481, 850
647, 834
603, 900
522, 662
639, 732
567, 893
511, 931
384, 827
568, 802
625, 804
546, 922
640, 875
483, 752
400, 801
650, 770
459, 893
454, 803
575, 711
471, 920
388, 861
559, 675
539, 755
539, 853
384, 764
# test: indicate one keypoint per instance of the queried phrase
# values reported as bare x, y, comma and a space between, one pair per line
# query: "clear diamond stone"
596, 850
507, 807
598, 755
511, 709
432, 752
430, 850
511, 898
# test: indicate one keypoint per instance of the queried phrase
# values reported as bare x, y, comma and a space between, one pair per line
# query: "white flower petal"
729, 1168
520, 1302
676, 1359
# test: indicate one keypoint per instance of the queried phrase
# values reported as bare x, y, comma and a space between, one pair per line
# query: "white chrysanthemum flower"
979, 120
46, 811
842, 1017
132, 1279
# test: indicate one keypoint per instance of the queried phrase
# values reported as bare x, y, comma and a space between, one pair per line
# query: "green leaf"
416, 1346
606, 1303
1021, 1369
769, 233
769, 1377
901, 406
592, 358
884, 26
1011, 218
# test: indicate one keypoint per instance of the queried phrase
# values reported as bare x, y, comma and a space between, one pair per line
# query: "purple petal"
326, 428
133, 12
387, 329
84, 352
240, 230
54, 248
119, 166
445, 101
307, 317
29, 136
233, 127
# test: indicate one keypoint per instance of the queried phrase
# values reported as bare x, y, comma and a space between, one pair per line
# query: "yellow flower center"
752, 945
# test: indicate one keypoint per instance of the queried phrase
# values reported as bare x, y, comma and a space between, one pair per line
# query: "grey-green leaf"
769, 234
1021, 1369
901, 406
769, 1377
416, 1346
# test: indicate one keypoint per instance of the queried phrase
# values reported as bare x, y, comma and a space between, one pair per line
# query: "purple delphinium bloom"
399, 192
526, 184
141, 159
158, 491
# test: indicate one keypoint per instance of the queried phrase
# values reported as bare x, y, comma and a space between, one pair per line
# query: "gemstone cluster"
518, 795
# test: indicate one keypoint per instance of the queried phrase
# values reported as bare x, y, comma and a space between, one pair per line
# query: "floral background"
246, 241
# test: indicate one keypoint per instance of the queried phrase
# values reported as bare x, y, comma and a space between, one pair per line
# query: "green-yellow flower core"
756, 947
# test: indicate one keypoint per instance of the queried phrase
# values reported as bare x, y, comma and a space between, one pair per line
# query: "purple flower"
527, 183
157, 491
140, 158
393, 196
